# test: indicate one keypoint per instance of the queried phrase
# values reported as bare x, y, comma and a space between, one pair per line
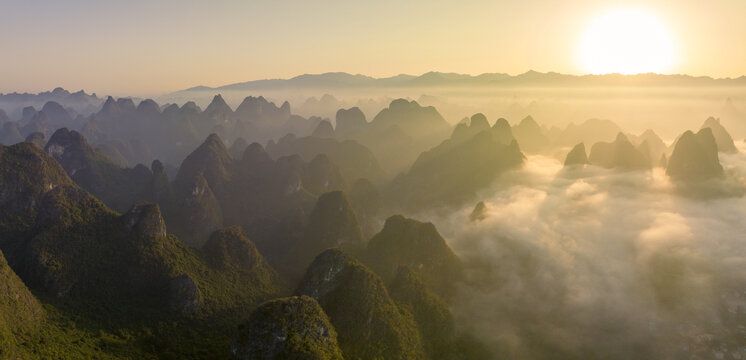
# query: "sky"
151, 47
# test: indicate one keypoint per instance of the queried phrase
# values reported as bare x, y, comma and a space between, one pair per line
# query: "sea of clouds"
594, 263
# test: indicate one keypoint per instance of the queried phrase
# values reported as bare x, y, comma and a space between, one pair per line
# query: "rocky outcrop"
287, 328
346, 289
408, 242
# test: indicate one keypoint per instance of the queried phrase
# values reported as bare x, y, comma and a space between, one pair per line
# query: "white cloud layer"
595, 263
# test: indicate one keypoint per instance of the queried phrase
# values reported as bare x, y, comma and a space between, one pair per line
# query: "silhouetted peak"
722, 138
479, 122
28, 113
148, 106
110, 106
157, 167
191, 106
126, 104
479, 213
255, 153
695, 157
577, 156
402, 104
218, 106
324, 130
621, 138
350, 121
501, 124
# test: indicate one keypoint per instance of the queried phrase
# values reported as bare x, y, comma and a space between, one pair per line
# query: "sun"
627, 41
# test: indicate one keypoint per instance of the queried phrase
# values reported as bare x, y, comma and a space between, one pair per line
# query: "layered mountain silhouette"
340, 80
454, 170
618, 154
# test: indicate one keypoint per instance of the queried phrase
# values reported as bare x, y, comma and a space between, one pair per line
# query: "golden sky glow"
627, 41
148, 47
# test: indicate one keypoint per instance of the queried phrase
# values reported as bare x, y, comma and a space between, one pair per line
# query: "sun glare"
627, 42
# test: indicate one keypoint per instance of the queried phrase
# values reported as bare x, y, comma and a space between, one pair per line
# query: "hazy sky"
148, 47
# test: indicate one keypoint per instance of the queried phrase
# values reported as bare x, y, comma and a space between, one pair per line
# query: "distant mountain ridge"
532, 78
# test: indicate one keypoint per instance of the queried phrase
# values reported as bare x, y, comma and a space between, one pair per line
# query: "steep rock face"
350, 122
117, 187
530, 136
722, 138
20, 312
324, 130
452, 172
695, 157
354, 160
345, 289
577, 156
287, 328
407, 242
618, 154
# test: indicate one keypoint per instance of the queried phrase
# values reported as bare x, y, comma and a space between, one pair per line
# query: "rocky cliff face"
287, 328
348, 290
407, 242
